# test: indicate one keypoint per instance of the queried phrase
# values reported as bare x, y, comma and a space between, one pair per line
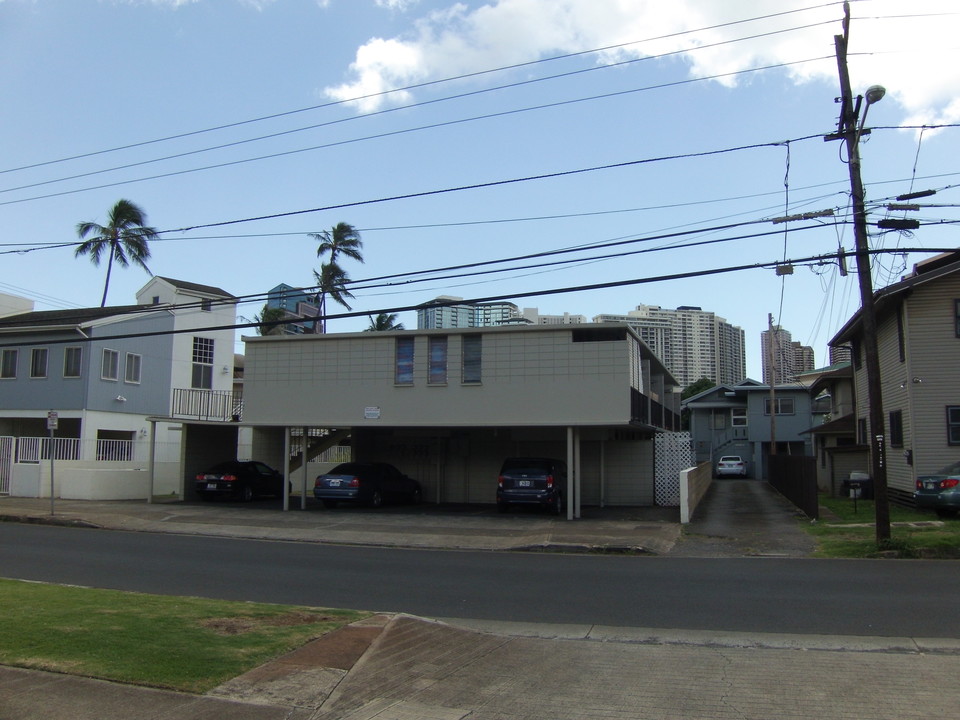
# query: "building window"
132, 371
956, 315
110, 365
472, 355
718, 420
202, 364
72, 359
896, 428
738, 417
784, 406
437, 369
38, 363
8, 364
862, 432
953, 425
403, 365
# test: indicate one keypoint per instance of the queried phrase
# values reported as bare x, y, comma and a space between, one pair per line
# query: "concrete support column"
286, 468
303, 490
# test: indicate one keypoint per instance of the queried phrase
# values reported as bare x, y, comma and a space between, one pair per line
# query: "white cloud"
914, 57
401, 5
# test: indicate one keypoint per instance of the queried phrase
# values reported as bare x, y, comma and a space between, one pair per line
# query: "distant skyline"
626, 147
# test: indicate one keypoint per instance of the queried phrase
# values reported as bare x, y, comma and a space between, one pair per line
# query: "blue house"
741, 419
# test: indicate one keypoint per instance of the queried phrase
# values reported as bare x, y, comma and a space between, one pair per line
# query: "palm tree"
125, 235
384, 322
342, 238
331, 280
269, 318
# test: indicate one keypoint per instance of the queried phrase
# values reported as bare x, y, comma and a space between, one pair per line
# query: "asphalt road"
829, 597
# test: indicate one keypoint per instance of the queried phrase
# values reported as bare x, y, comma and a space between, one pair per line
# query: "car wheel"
246, 493
557, 505
416, 497
329, 504
376, 500
946, 512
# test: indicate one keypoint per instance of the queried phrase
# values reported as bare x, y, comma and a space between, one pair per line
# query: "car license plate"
931, 485
211, 486
524, 483
334, 483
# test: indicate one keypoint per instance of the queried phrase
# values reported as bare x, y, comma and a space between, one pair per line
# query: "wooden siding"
934, 360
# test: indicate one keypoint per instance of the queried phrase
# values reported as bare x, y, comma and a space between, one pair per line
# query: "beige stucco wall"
529, 378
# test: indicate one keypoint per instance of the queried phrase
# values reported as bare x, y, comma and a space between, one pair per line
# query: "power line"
425, 84
769, 264
393, 133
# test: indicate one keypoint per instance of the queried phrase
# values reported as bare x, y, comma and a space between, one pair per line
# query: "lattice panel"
673, 452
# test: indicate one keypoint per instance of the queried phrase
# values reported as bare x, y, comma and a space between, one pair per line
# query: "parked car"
940, 491
242, 480
532, 481
369, 483
731, 465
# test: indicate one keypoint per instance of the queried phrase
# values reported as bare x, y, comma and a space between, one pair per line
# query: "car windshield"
731, 458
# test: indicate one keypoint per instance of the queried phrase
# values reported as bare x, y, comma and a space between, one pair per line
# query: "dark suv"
532, 481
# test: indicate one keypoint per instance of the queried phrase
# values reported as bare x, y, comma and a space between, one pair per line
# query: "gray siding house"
447, 406
918, 336
103, 372
736, 420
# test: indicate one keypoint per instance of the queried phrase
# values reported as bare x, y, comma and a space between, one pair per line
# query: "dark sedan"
368, 483
241, 480
940, 491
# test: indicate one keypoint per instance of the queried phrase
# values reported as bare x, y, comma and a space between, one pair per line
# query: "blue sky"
673, 87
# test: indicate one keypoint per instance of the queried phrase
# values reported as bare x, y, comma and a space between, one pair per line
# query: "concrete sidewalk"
737, 518
407, 668
460, 527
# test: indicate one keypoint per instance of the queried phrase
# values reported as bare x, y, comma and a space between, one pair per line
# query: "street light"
873, 95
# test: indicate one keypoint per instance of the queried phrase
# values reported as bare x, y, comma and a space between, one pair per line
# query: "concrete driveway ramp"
745, 518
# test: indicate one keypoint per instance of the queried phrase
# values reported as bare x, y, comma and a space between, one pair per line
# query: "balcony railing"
650, 412
221, 405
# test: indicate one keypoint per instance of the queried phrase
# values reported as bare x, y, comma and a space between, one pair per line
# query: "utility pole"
849, 132
772, 359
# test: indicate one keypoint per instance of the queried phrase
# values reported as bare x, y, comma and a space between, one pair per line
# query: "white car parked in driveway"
731, 465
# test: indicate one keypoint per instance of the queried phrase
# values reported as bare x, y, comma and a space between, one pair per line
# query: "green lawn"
187, 644
847, 529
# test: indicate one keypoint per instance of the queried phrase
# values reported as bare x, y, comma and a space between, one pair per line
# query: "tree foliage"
124, 239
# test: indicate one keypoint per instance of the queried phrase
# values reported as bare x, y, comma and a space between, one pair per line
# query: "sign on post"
52, 420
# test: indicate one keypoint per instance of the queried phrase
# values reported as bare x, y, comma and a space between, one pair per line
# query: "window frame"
953, 425
39, 356
134, 362
202, 357
404, 355
73, 360
437, 354
471, 360
895, 421
106, 366
956, 316
738, 417
780, 402
8, 370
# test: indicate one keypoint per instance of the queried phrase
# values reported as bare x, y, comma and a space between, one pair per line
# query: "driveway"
744, 517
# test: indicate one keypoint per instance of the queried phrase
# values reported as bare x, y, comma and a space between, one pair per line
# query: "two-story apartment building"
102, 373
918, 337
447, 406
736, 420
